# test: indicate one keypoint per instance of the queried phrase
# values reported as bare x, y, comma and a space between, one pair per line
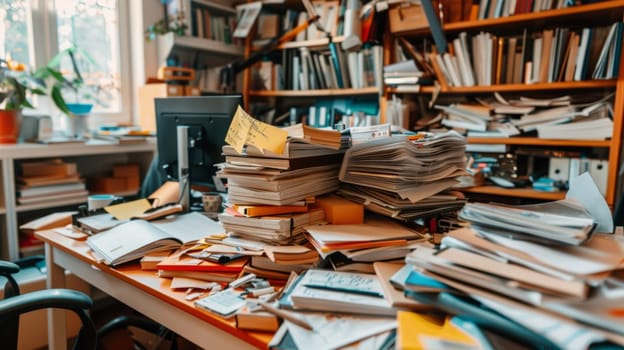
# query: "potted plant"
16, 84
70, 92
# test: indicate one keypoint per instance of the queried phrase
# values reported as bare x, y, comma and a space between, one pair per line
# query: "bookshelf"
207, 44
323, 87
93, 159
574, 18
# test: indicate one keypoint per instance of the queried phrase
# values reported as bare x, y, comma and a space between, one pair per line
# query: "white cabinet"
94, 158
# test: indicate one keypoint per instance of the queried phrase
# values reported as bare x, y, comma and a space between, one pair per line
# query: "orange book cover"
263, 210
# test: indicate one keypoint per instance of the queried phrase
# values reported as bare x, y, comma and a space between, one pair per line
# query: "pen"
285, 315
370, 293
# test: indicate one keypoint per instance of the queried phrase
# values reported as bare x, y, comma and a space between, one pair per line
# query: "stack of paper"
537, 275
264, 178
376, 232
284, 228
559, 222
405, 177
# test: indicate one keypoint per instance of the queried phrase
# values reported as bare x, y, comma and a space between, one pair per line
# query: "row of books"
504, 8
330, 68
550, 55
210, 24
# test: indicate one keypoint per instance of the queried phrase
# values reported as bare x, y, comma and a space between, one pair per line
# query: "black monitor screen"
208, 119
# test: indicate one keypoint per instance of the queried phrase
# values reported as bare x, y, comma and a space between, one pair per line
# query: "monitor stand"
183, 167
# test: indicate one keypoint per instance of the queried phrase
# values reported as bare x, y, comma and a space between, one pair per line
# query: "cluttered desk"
144, 292
350, 268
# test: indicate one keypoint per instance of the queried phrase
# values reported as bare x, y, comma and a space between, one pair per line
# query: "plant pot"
77, 123
9, 125
77, 126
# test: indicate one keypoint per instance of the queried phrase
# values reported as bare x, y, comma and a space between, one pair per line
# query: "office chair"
15, 304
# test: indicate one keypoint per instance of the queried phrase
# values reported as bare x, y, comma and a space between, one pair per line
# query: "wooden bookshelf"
599, 14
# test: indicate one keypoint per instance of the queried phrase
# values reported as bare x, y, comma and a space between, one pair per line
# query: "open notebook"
135, 238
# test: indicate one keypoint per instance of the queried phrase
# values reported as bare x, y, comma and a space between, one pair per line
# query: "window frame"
42, 18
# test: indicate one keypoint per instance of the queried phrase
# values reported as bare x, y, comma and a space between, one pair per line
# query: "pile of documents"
354, 247
277, 229
257, 177
406, 177
560, 285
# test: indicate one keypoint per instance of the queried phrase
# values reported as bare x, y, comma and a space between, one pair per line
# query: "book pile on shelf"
405, 177
49, 181
547, 271
404, 74
549, 118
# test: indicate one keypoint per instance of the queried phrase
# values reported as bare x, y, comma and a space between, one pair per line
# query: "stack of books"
49, 181
406, 177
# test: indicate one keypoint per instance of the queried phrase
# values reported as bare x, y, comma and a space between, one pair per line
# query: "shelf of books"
531, 79
321, 62
528, 141
314, 93
40, 179
555, 86
592, 14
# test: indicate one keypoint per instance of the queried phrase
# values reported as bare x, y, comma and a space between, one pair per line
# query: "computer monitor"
208, 119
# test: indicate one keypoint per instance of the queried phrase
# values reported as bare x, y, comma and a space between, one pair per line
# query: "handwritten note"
244, 129
346, 281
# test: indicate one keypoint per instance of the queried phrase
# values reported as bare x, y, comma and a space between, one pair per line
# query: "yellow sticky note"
244, 129
239, 129
125, 211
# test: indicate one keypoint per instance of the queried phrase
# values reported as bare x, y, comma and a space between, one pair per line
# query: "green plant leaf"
58, 99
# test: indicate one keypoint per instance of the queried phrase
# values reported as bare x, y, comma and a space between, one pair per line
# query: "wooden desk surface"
149, 282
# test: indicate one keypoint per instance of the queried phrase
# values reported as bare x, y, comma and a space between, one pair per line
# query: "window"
92, 27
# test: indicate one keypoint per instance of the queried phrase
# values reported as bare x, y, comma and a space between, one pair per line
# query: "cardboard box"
340, 211
107, 185
126, 170
406, 18
147, 94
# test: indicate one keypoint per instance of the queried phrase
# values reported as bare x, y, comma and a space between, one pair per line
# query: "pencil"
285, 315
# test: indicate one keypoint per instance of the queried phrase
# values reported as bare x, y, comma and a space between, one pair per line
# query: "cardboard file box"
406, 18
